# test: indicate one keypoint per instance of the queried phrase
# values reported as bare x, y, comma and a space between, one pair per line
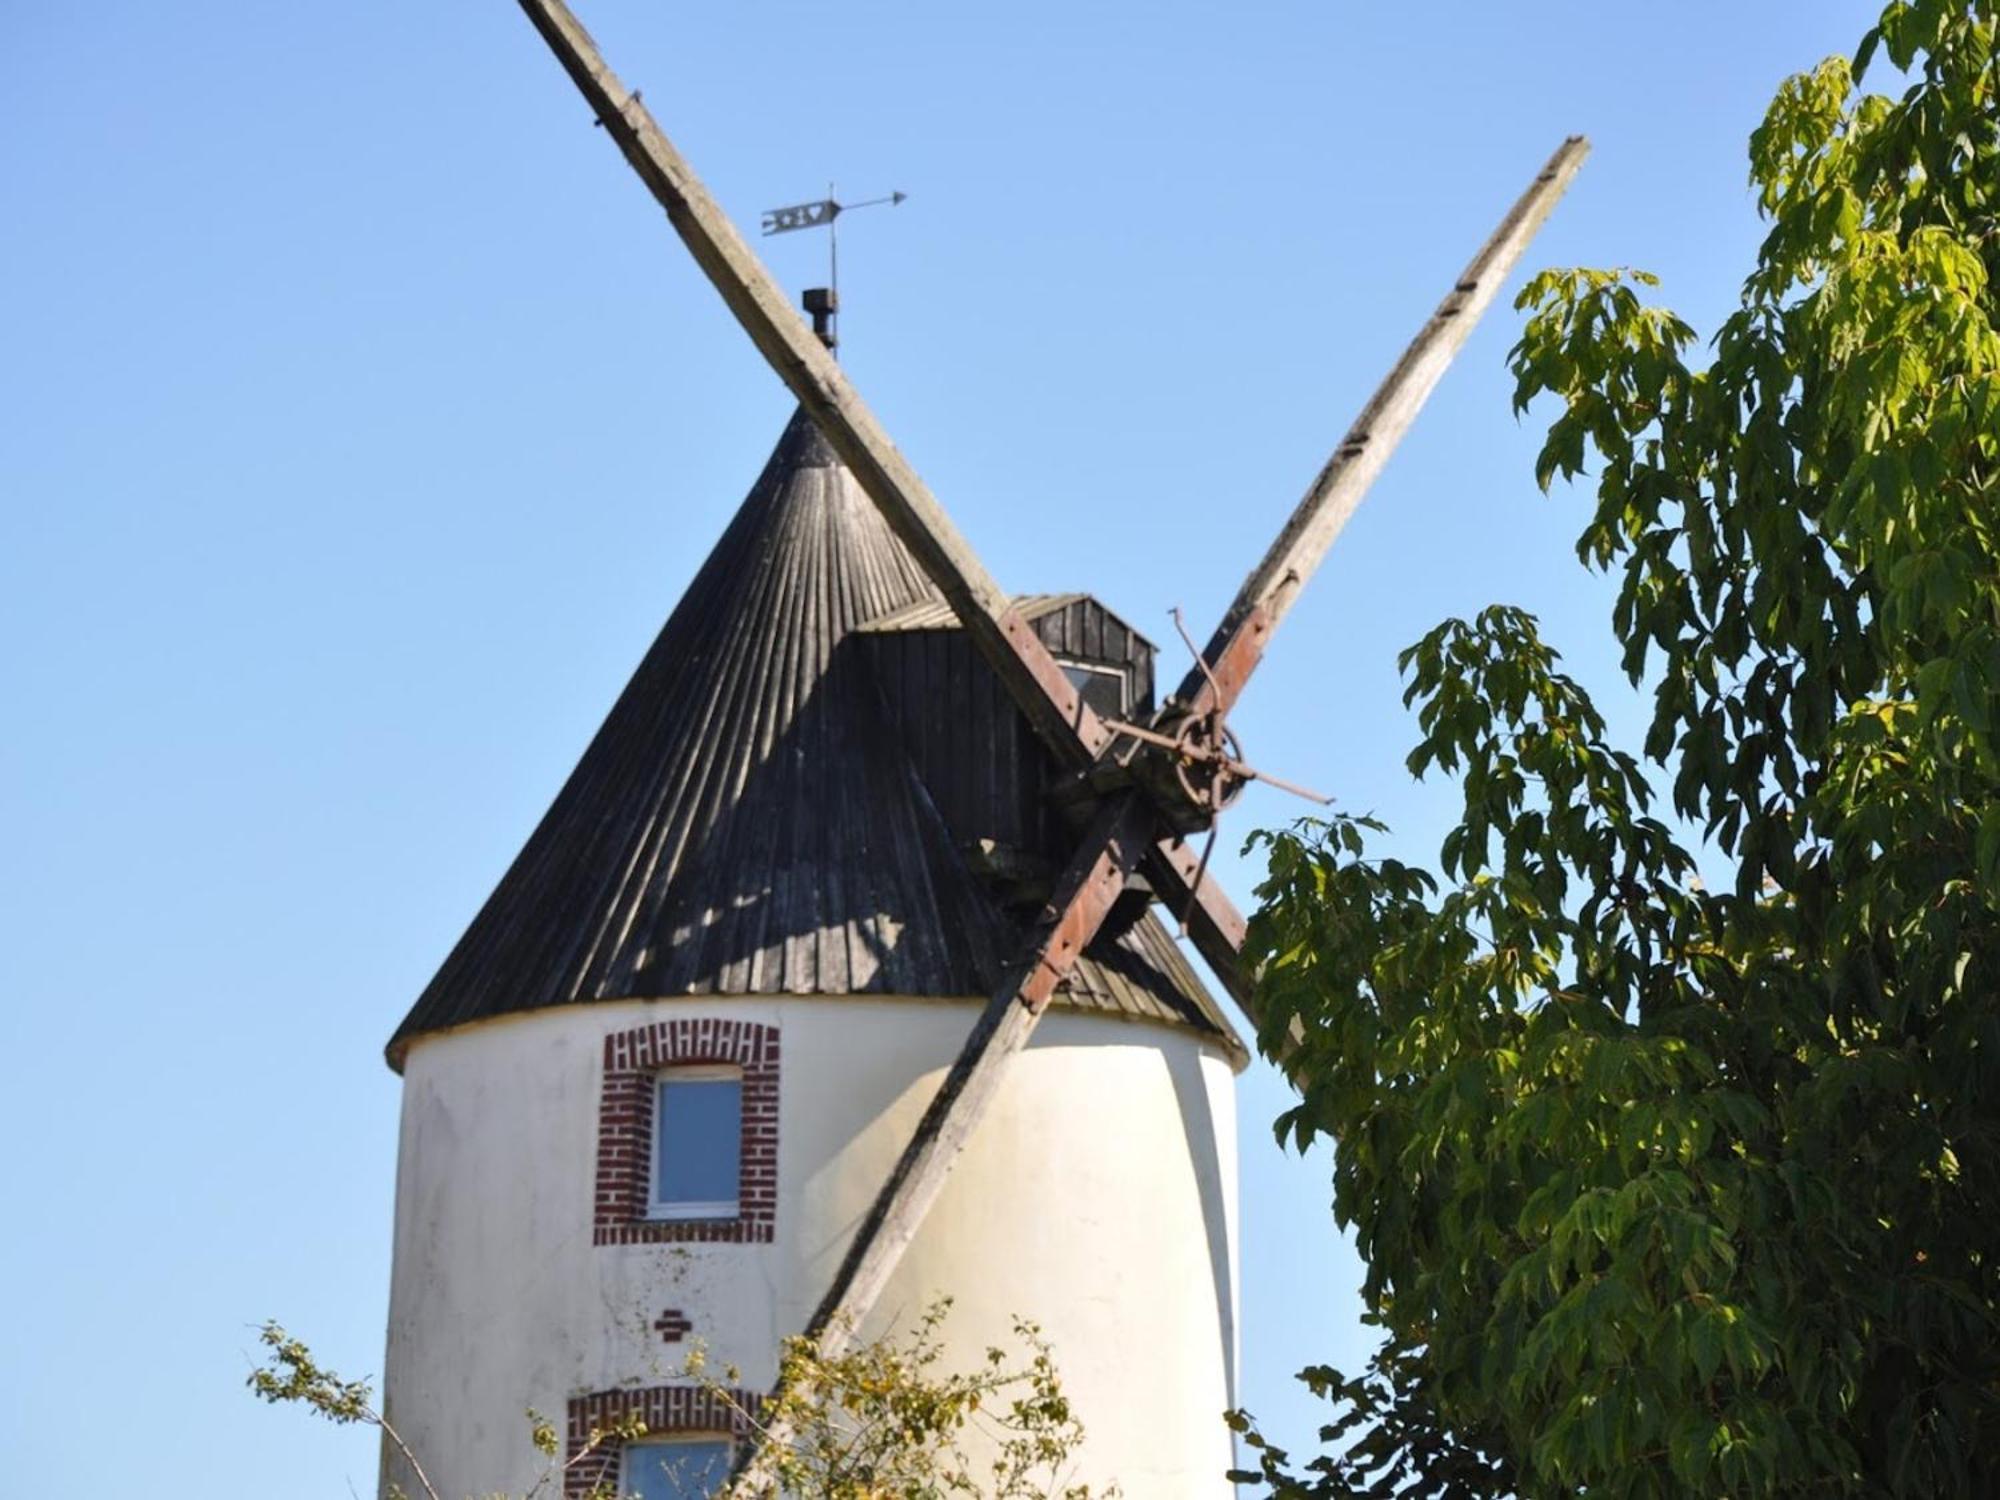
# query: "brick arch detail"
664, 1409
632, 1059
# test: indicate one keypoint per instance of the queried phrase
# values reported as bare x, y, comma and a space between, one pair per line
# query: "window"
693, 1433
678, 1468
1103, 688
697, 1143
687, 1134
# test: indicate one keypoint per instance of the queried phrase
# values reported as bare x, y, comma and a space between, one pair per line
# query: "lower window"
689, 1467
692, 1435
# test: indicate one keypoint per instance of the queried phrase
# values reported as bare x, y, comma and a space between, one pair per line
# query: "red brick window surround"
633, 1062
665, 1410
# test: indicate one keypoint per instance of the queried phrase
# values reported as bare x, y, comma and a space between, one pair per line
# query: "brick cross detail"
673, 1325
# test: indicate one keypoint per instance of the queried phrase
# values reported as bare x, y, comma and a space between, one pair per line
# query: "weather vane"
821, 213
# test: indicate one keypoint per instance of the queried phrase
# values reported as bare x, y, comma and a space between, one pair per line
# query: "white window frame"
729, 1208
658, 1440
1071, 666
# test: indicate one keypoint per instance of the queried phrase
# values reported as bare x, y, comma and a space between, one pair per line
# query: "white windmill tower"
667, 1069
711, 1058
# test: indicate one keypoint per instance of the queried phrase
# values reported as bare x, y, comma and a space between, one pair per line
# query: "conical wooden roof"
746, 822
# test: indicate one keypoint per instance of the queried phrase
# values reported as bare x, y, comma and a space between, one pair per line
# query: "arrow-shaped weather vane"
822, 211
818, 214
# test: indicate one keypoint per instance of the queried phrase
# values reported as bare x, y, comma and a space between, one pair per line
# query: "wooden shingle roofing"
746, 820
934, 613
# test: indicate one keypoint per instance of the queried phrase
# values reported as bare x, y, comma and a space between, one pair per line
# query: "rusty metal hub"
1208, 762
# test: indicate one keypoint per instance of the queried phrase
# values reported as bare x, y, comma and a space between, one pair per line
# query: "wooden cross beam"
1275, 583
1111, 849
1134, 828
1121, 835
1075, 735
805, 365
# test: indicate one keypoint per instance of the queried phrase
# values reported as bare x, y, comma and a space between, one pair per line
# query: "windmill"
1141, 794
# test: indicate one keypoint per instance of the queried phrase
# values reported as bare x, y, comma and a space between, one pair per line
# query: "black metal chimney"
824, 305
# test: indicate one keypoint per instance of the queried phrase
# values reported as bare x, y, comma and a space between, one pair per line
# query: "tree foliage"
1661, 1189
889, 1421
883, 1420
291, 1375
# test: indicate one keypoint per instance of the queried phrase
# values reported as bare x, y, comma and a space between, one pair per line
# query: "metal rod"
1239, 769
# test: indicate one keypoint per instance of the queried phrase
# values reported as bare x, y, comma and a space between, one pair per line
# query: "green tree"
884, 1420
887, 1421
1666, 1190
291, 1375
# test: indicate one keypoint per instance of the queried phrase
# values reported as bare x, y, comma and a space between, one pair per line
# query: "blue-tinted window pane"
675, 1471
698, 1130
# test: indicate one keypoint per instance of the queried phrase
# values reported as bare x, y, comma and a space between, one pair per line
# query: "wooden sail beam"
1075, 735
1094, 878
1274, 584
1238, 644
1126, 832
1073, 732
1213, 923
1119, 837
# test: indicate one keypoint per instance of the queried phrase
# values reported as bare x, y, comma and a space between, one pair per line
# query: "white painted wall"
1098, 1199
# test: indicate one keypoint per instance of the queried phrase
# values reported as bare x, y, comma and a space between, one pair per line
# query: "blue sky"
363, 419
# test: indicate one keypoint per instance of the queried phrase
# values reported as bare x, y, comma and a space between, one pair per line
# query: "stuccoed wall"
1099, 1198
